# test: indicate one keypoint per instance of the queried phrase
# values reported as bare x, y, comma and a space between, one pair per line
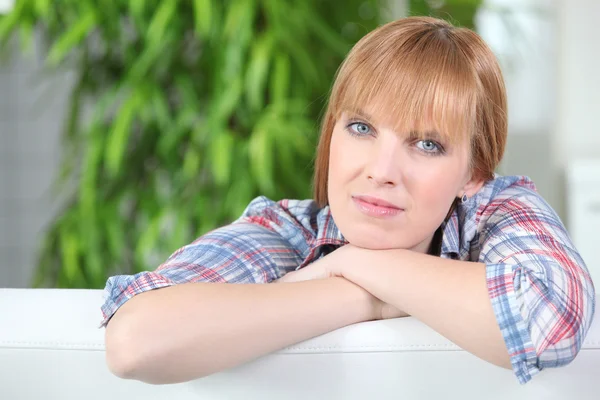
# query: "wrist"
363, 304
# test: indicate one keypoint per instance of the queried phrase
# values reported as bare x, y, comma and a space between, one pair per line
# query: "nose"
383, 168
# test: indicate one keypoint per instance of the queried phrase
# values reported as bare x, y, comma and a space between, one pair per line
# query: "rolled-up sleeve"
541, 291
254, 249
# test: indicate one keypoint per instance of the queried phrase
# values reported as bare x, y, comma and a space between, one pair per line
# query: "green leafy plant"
182, 112
457, 12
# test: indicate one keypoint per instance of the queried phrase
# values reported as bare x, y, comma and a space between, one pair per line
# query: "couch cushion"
51, 347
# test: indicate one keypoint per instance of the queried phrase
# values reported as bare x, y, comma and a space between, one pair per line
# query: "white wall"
523, 35
553, 83
577, 132
576, 136
32, 107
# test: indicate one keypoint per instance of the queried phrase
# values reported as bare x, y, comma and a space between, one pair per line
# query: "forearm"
188, 331
449, 296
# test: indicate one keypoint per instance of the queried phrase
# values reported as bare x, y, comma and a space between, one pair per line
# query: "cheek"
333, 162
433, 187
340, 156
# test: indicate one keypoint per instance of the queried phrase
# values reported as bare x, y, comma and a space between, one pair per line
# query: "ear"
472, 187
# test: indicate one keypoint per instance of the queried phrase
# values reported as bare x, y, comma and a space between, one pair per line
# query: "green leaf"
42, 8
260, 153
286, 133
419, 7
115, 229
91, 167
275, 13
181, 232
207, 220
191, 164
89, 237
239, 194
233, 60
118, 137
87, 221
70, 254
239, 19
226, 102
160, 21
137, 9
170, 139
9, 22
72, 38
108, 98
280, 79
139, 70
256, 76
26, 35
187, 91
202, 16
148, 240
160, 109
304, 61
221, 153
332, 39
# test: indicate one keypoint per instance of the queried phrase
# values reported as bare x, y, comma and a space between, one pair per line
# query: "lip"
376, 207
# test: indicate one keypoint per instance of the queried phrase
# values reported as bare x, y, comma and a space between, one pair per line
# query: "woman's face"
391, 190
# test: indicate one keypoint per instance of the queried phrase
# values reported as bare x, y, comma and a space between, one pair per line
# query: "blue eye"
430, 147
359, 129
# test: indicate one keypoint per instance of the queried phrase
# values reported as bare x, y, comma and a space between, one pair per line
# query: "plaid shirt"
540, 288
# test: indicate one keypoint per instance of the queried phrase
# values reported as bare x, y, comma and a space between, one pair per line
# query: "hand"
315, 270
326, 267
329, 267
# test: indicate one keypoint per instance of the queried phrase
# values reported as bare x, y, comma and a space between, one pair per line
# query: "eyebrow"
432, 135
360, 113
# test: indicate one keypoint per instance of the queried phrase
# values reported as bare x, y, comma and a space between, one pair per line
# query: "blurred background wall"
550, 58
32, 110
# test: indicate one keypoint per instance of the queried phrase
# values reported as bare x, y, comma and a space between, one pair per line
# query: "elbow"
126, 354
121, 355
126, 358
498, 355
502, 360
567, 343
133, 355
119, 364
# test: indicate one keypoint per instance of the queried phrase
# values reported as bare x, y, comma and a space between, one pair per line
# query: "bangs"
412, 86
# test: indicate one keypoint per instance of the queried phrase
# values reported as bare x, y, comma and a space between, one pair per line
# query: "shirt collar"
451, 236
327, 230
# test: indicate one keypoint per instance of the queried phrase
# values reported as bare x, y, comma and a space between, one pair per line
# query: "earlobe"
472, 187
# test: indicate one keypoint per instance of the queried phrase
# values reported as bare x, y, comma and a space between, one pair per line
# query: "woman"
406, 195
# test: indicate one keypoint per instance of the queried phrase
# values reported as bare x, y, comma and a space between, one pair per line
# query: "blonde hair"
417, 72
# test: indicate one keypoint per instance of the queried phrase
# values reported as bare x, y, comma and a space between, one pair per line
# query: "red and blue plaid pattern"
540, 288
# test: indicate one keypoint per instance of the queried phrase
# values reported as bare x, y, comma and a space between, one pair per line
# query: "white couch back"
51, 348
